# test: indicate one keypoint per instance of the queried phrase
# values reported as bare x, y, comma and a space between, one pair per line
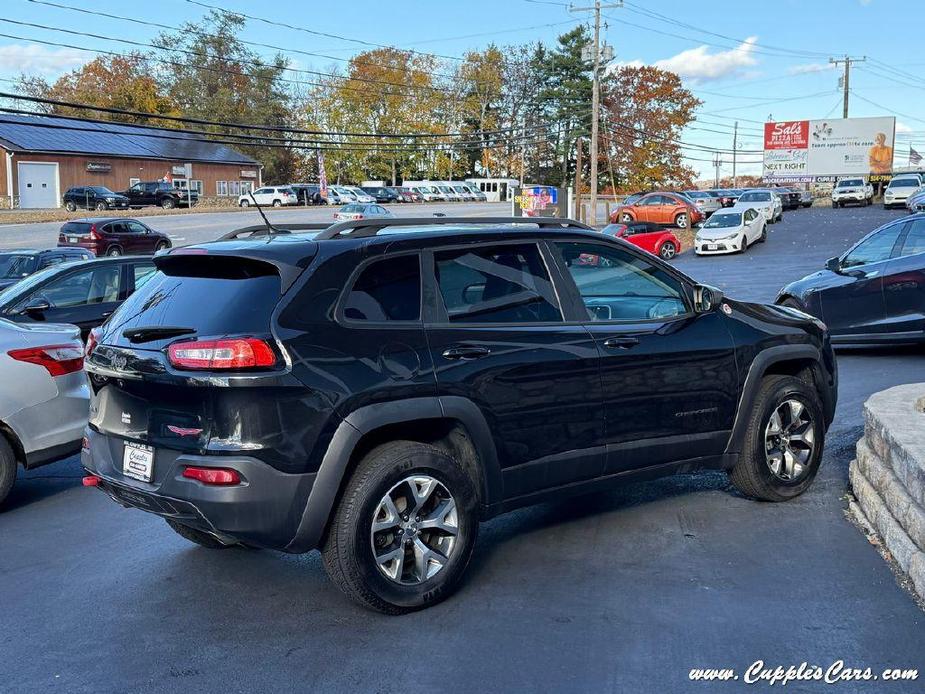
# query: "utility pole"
847, 62
578, 148
596, 92
717, 162
735, 146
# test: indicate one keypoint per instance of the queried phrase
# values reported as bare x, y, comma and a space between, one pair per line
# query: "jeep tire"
772, 419
377, 516
7, 468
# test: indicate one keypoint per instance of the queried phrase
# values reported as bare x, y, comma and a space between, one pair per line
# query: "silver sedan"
359, 210
44, 398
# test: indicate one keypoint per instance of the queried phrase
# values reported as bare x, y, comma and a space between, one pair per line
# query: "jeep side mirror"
833, 264
36, 306
706, 298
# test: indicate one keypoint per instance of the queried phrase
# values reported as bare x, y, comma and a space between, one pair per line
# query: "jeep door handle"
466, 352
621, 342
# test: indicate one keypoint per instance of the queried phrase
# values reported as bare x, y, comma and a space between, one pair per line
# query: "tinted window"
240, 297
619, 286
136, 227
97, 285
76, 228
915, 239
387, 290
755, 197
15, 265
142, 273
502, 284
875, 248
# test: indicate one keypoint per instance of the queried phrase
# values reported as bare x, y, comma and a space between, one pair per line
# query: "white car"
427, 193
765, 201
464, 193
44, 397
360, 194
854, 190
706, 203
731, 230
270, 196
900, 188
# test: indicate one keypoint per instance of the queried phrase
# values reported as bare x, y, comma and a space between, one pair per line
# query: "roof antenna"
270, 228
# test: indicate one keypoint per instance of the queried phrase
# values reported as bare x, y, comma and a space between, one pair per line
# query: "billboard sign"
808, 149
540, 201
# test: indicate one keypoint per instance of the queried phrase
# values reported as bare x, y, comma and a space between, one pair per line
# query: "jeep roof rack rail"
370, 227
261, 230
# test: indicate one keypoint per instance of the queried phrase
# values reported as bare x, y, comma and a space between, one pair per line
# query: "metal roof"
73, 136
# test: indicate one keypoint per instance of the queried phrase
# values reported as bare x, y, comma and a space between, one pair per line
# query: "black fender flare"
756, 371
362, 421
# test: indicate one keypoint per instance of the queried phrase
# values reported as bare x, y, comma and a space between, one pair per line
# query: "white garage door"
38, 184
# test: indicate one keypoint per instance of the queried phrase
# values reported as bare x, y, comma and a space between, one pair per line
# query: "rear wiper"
155, 332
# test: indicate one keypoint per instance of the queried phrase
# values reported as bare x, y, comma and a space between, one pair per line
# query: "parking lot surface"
624, 591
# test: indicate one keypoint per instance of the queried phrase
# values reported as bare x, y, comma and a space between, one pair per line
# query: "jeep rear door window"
387, 290
496, 284
619, 286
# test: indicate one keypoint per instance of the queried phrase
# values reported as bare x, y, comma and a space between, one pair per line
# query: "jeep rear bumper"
264, 510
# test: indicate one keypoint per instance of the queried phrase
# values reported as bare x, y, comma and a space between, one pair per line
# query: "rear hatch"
143, 393
76, 232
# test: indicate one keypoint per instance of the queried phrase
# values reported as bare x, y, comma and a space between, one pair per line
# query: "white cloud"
699, 65
33, 59
902, 127
809, 67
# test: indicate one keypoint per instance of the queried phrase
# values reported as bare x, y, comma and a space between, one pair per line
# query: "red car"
113, 236
660, 208
648, 236
405, 194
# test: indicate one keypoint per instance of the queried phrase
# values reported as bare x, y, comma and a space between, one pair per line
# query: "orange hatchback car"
661, 208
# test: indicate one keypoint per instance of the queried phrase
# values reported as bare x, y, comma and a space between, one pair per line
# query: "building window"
234, 188
221, 188
179, 183
196, 185
246, 187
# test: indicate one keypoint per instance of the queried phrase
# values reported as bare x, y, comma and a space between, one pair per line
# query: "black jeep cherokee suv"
377, 388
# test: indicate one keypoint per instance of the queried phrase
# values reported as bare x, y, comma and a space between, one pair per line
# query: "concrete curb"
888, 476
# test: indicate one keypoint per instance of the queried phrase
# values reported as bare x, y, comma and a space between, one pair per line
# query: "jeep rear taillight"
228, 353
58, 360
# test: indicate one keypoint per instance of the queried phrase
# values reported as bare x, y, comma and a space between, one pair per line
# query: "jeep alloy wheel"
789, 439
414, 530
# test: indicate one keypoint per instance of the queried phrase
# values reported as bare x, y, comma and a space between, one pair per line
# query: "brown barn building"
45, 155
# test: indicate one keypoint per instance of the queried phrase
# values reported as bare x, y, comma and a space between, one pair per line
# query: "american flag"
322, 177
914, 157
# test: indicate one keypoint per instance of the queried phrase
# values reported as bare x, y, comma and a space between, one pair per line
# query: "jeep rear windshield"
210, 296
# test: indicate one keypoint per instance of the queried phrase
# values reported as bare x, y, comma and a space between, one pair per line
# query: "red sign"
792, 134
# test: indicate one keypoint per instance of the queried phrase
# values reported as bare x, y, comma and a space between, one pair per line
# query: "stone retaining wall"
888, 475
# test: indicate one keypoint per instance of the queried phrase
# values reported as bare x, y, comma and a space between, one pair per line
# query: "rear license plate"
138, 462
72, 239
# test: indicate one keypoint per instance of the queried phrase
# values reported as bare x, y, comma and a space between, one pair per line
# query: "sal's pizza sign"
792, 134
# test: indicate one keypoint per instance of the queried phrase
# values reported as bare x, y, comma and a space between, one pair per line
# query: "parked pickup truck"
160, 193
855, 190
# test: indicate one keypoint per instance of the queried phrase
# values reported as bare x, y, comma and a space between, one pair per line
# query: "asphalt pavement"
624, 591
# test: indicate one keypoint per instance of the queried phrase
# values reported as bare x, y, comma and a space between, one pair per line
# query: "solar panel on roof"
30, 133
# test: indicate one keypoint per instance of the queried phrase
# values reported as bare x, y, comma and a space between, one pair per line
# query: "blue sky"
745, 60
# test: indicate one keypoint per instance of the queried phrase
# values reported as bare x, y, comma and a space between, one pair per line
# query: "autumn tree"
115, 82
645, 109
211, 74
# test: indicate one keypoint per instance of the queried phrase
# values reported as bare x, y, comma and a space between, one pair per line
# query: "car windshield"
850, 182
101, 190
756, 196
16, 265
723, 221
352, 208
904, 183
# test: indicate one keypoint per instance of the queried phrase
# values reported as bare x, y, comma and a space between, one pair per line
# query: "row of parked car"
143, 194
727, 221
310, 194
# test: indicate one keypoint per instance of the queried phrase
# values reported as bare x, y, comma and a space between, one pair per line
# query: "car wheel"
101, 206
681, 220
764, 234
196, 536
114, 251
667, 250
783, 441
743, 245
403, 533
161, 246
277, 203
70, 206
168, 203
244, 203
7, 468
626, 217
